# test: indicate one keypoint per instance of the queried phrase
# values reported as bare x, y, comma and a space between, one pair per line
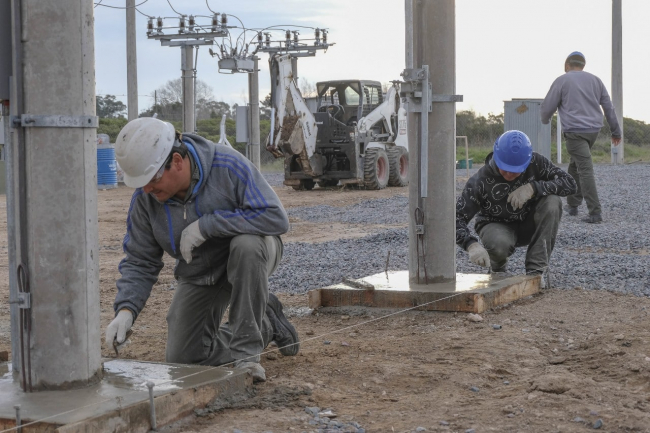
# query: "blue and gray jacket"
486, 194
230, 198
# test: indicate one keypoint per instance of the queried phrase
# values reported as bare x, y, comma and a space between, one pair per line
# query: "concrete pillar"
131, 61
254, 103
56, 185
187, 66
430, 40
617, 76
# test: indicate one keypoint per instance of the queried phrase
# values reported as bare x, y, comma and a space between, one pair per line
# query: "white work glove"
520, 196
118, 328
478, 255
190, 239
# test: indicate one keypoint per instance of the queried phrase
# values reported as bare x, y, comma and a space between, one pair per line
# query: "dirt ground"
562, 360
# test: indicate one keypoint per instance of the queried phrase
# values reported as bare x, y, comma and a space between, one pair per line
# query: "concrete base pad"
472, 293
120, 402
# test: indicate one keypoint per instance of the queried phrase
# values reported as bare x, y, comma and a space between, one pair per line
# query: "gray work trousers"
501, 239
581, 168
194, 335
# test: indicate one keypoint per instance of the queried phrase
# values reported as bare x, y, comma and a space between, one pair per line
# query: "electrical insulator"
159, 24
324, 36
150, 26
295, 37
215, 22
260, 39
224, 20
181, 24
317, 36
192, 22
288, 36
268, 39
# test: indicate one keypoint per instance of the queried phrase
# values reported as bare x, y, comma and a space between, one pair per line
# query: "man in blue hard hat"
578, 96
516, 199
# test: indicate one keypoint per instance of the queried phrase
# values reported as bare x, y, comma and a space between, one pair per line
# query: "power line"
170, 5
118, 7
208, 5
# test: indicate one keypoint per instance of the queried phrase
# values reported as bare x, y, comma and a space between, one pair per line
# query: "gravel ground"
613, 255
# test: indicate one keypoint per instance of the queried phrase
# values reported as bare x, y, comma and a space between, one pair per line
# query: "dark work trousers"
501, 239
581, 168
194, 335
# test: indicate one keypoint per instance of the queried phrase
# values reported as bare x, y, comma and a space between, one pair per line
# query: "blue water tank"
106, 165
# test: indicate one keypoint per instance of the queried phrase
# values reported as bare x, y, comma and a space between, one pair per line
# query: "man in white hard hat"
208, 207
578, 96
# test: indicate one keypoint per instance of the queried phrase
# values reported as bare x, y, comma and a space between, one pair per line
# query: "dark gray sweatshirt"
578, 96
230, 198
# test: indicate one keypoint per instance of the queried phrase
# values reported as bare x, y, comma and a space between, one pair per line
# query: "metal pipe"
19, 421
152, 406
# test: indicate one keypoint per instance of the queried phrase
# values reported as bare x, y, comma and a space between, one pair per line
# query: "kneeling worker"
208, 207
517, 197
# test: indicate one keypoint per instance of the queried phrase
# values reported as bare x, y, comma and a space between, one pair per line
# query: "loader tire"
398, 157
305, 184
375, 168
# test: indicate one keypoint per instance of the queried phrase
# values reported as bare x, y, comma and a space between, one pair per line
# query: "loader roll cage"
343, 99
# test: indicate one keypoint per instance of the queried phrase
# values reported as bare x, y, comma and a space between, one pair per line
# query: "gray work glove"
190, 239
520, 196
478, 255
117, 329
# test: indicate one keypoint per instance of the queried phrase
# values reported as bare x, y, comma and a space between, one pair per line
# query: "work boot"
543, 282
571, 210
500, 270
255, 368
593, 219
284, 334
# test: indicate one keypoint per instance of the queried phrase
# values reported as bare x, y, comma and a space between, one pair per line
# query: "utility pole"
131, 61
189, 35
54, 211
429, 87
187, 68
254, 103
618, 154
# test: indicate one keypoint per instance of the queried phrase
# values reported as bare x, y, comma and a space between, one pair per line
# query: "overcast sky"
504, 49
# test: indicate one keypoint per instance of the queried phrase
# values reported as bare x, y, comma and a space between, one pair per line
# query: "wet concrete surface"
469, 292
123, 385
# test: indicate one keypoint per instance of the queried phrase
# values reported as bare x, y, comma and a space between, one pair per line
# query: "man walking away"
578, 96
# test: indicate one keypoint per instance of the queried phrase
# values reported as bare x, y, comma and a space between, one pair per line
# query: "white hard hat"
142, 147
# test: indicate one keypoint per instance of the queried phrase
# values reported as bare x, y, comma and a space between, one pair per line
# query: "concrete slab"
120, 402
472, 293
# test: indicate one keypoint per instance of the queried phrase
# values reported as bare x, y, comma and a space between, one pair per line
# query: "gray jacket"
578, 96
231, 198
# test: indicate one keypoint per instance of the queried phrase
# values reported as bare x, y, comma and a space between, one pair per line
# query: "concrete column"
254, 103
558, 139
617, 76
294, 69
131, 61
430, 40
57, 215
187, 66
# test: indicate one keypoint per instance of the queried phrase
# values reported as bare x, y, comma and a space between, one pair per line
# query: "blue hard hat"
576, 53
513, 151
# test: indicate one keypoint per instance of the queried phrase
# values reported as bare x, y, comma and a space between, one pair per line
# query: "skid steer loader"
356, 136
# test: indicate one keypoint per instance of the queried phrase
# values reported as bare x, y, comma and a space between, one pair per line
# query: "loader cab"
349, 100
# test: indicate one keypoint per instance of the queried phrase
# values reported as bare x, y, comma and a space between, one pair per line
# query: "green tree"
109, 108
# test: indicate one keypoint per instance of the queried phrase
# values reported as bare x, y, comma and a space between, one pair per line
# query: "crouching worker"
208, 207
516, 195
